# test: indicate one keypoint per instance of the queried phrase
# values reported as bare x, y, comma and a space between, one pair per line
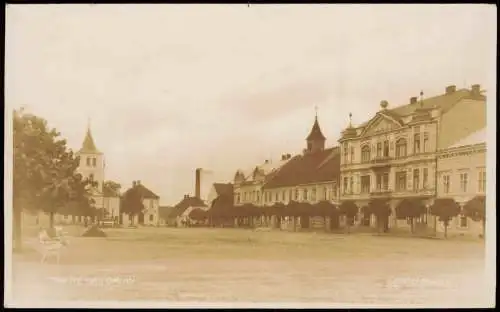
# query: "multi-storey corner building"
462, 176
394, 154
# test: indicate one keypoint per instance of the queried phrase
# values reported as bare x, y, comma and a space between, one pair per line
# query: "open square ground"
237, 265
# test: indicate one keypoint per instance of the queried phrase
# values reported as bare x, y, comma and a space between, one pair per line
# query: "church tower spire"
88, 145
315, 139
91, 160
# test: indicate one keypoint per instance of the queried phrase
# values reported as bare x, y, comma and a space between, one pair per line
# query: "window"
88, 161
416, 143
151, 204
379, 182
386, 148
446, 184
346, 153
276, 196
385, 181
416, 179
325, 193
401, 148
481, 183
237, 198
94, 162
426, 142
351, 185
365, 153
334, 192
305, 195
283, 196
151, 218
296, 194
401, 181
352, 154
379, 149
346, 181
290, 194
313, 194
258, 196
365, 184
463, 182
425, 177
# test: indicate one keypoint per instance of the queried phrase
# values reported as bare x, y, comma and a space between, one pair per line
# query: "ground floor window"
151, 217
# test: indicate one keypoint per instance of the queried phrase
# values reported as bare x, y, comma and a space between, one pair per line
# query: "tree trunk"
435, 226
348, 223
445, 229
51, 219
412, 225
18, 243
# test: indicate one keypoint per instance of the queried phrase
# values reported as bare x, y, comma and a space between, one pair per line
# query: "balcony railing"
381, 159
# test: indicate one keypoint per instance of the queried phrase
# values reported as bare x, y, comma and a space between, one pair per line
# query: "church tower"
315, 139
91, 160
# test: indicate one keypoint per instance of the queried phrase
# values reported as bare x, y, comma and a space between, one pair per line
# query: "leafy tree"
44, 175
132, 203
445, 209
112, 187
381, 210
326, 209
476, 210
348, 209
410, 208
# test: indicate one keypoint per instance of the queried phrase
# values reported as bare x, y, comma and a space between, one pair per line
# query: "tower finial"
316, 111
350, 120
88, 123
421, 98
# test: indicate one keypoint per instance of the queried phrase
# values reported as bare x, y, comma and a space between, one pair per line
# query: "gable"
380, 123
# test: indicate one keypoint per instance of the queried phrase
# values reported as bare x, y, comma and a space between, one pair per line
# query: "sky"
169, 88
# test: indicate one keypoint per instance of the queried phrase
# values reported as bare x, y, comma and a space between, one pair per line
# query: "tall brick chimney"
197, 186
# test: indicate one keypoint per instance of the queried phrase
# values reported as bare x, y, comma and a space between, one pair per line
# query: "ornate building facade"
394, 154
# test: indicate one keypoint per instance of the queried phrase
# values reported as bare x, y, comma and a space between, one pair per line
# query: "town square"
235, 155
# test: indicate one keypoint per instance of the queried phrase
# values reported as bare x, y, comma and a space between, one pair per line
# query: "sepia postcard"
250, 155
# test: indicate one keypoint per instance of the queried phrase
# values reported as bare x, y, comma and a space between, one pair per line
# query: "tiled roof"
474, 138
88, 145
316, 133
145, 192
223, 188
185, 203
442, 101
322, 166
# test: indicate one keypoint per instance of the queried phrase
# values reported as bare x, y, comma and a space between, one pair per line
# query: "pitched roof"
184, 204
474, 138
442, 101
316, 133
88, 145
322, 166
223, 188
144, 191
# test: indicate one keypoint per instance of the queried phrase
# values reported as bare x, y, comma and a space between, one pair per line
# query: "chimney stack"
138, 182
451, 89
134, 183
413, 100
476, 89
197, 186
